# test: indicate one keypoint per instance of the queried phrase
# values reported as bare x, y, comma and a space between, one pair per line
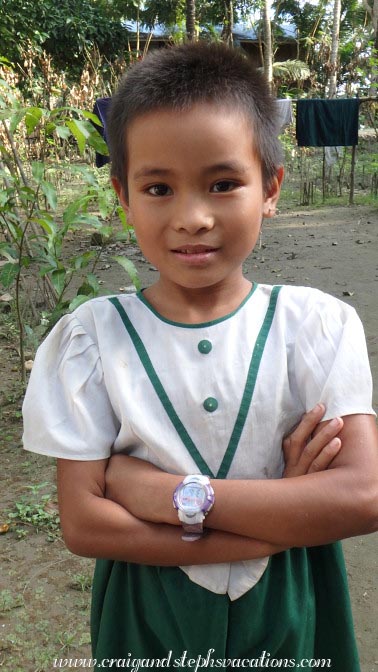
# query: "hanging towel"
100, 109
284, 112
327, 123
332, 155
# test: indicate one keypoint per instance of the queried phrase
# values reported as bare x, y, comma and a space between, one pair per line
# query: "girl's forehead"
195, 113
202, 125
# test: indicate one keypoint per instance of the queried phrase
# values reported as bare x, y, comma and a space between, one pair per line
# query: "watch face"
191, 497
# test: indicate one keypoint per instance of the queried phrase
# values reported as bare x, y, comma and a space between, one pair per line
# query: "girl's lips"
194, 249
195, 254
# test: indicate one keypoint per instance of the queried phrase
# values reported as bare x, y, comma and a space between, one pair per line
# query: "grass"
37, 511
305, 165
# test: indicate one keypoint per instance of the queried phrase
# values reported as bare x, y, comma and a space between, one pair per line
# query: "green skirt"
156, 617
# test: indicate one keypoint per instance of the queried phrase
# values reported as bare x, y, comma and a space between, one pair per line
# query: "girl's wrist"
164, 499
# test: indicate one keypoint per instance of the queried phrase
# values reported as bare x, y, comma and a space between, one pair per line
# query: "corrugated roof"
241, 31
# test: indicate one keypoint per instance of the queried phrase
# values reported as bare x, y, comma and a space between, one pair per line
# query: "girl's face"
196, 198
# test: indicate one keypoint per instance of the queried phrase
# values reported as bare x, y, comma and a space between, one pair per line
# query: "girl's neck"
194, 306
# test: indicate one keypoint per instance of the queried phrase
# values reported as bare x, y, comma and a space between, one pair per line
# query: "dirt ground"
45, 591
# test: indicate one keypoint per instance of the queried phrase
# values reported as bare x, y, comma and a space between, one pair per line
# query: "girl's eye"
159, 190
223, 186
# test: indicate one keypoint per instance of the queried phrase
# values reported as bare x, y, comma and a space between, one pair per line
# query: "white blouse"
90, 396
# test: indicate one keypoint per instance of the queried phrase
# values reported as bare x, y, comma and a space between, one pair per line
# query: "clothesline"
361, 100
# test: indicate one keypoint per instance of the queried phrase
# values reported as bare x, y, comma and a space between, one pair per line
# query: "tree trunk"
372, 9
333, 61
268, 49
228, 24
191, 20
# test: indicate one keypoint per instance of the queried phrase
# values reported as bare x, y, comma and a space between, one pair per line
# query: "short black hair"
178, 77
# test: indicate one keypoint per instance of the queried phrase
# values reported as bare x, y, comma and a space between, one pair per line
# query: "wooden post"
352, 168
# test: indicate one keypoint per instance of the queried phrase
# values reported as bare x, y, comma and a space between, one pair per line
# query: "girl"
186, 390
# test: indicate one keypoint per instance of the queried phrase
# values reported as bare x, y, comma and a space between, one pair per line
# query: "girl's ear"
273, 193
118, 188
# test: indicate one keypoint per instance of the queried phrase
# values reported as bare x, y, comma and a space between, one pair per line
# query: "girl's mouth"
195, 253
194, 249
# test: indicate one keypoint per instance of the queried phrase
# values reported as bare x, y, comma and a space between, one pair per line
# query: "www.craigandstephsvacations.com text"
265, 661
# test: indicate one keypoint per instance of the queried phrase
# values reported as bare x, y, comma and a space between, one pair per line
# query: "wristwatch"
193, 498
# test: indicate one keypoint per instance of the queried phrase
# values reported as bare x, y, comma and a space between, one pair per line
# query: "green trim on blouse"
200, 325
247, 394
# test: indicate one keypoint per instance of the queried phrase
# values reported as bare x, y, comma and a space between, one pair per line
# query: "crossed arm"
122, 508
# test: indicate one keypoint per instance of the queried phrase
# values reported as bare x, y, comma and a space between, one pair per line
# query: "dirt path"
44, 594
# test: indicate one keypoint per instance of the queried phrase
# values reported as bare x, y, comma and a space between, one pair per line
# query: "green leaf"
130, 269
82, 260
93, 282
85, 290
92, 117
88, 175
15, 120
63, 132
77, 301
58, 280
48, 225
106, 231
87, 133
8, 274
8, 252
50, 127
32, 118
44, 270
4, 113
38, 170
49, 191
122, 215
122, 236
70, 214
76, 131
98, 143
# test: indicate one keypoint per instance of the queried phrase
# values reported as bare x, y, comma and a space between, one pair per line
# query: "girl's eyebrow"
145, 171
227, 166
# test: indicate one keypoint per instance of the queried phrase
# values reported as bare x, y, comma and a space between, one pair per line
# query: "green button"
205, 347
210, 404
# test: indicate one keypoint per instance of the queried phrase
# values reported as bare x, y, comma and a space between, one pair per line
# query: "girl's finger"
294, 443
308, 424
325, 457
320, 442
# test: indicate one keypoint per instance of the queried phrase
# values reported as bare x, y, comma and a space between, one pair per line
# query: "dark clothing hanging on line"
327, 123
100, 109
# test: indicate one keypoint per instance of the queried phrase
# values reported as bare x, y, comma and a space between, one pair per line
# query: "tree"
228, 22
371, 7
333, 61
65, 30
268, 50
191, 20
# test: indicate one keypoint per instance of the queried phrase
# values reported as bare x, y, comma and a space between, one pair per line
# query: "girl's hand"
140, 487
312, 445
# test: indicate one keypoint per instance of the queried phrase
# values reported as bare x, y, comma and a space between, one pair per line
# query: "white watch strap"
200, 478
188, 522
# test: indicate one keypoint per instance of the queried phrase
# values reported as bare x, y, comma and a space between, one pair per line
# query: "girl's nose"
192, 217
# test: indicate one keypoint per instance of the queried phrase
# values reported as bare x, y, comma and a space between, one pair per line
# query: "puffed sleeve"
66, 410
331, 360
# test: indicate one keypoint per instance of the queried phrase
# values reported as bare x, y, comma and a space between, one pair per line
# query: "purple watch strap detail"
196, 528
